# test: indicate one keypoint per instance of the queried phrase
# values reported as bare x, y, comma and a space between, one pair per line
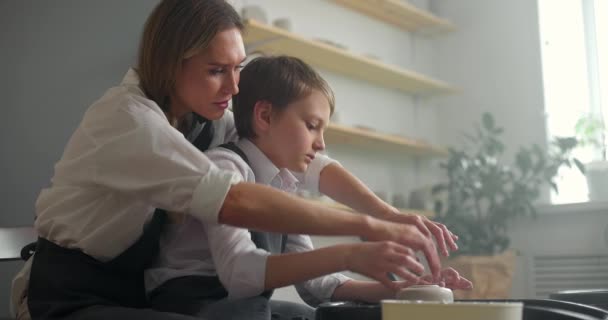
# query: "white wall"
58, 57
362, 103
494, 58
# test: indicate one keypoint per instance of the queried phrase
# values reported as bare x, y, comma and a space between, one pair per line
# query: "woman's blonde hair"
176, 30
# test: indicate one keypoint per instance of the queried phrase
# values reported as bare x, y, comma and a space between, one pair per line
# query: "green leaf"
488, 121
439, 188
524, 161
484, 192
554, 187
567, 143
581, 167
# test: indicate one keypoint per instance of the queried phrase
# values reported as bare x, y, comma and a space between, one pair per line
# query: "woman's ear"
262, 115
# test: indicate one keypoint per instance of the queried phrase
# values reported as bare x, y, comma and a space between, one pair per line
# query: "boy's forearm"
366, 291
342, 186
260, 207
291, 268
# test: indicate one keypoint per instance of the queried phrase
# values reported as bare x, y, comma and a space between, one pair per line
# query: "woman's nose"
231, 84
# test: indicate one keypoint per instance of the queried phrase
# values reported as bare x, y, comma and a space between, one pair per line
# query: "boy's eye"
311, 126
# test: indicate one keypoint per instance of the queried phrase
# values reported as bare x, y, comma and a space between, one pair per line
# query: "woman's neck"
177, 113
181, 122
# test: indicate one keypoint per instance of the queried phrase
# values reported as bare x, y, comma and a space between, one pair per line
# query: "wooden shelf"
269, 39
371, 140
400, 14
336, 205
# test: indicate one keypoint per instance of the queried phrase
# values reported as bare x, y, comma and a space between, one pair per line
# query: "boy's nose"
319, 144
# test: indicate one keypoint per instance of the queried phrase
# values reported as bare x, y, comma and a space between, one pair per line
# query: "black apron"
66, 280
188, 294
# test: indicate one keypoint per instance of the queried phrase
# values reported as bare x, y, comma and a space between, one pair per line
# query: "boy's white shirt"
194, 248
98, 206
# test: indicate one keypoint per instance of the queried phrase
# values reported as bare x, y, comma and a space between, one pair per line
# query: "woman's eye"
215, 72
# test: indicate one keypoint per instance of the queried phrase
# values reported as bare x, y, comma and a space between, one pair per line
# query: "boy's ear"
262, 114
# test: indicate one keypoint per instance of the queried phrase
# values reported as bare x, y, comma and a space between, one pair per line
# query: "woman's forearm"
291, 268
345, 188
263, 208
260, 207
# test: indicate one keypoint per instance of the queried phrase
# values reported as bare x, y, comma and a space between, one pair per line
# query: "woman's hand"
377, 259
408, 235
445, 239
342, 186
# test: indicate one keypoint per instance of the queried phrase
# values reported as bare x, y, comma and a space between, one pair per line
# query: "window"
574, 51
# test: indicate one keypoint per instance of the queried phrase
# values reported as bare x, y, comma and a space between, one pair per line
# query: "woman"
138, 148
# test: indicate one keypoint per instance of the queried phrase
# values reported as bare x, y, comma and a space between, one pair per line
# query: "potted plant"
482, 195
591, 134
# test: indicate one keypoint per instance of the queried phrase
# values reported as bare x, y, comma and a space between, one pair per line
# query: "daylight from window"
574, 51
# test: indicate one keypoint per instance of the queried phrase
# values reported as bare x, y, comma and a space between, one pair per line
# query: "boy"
280, 114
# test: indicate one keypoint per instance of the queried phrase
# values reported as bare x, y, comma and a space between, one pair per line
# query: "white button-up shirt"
190, 247
123, 161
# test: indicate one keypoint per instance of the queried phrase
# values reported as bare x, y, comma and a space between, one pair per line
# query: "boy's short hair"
279, 80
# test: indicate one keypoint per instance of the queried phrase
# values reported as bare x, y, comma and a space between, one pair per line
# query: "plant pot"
492, 276
597, 180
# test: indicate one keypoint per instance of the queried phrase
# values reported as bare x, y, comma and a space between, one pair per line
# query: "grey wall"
56, 58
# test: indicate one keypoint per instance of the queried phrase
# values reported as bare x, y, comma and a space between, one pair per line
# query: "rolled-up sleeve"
209, 195
240, 265
156, 163
318, 290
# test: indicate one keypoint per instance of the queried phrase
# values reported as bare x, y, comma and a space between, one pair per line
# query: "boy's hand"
445, 238
450, 278
377, 259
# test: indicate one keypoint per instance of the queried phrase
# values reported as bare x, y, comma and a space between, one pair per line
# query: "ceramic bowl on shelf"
283, 23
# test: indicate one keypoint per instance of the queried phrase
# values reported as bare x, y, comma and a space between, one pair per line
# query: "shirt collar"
131, 78
132, 82
264, 170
